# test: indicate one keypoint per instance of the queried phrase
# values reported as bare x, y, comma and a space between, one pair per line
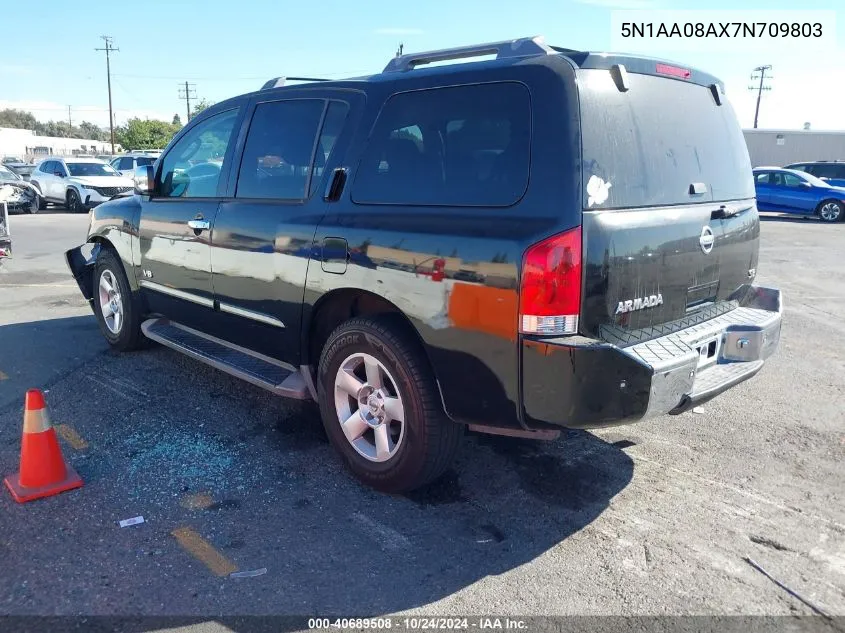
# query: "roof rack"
522, 47
278, 82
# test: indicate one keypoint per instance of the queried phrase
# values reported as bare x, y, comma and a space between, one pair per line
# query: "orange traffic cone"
43, 470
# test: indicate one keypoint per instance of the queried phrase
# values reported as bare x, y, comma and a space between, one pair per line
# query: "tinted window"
48, 167
192, 167
461, 146
829, 170
144, 161
91, 169
59, 167
125, 163
807, 168
762, 179
277, 155
332, 126
650, 143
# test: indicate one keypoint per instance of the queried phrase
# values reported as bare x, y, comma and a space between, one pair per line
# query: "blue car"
791, 191
832, 172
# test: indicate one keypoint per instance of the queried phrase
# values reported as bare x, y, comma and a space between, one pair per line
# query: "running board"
262, 371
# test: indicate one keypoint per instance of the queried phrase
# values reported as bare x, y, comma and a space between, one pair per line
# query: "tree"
201, 105
92, 131
145, 134
17, 119
176, 120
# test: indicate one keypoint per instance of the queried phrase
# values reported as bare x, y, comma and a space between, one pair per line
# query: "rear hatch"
670, 227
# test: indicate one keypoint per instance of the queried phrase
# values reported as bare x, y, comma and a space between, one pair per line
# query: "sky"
227, 48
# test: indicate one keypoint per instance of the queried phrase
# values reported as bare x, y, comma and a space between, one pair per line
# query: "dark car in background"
832, 172
792, 191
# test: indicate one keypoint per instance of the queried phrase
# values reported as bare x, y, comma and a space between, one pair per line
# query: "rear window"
647, 146
457, 146
144, 161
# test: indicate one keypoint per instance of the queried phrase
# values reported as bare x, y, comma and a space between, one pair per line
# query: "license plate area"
708, 351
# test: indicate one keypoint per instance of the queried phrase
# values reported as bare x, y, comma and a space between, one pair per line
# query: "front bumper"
595, 383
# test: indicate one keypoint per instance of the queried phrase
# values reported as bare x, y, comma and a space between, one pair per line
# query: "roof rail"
278, 82
522, 47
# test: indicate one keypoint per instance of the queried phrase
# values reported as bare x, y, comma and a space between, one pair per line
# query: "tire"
122, 332
423, 444
73, 201
830, 211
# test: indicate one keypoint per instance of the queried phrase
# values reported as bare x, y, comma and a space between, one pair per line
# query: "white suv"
78, 183
126, 164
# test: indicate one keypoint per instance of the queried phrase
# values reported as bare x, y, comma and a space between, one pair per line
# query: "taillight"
550, 289
673, 71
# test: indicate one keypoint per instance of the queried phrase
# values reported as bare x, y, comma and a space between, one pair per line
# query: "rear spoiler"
644, 66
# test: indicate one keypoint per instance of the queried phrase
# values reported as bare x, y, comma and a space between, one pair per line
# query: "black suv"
833, 172
547, 239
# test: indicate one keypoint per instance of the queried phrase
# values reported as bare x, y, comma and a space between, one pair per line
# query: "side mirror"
59, 174
144, 180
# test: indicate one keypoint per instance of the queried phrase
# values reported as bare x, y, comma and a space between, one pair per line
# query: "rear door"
175, 224
762, 187
670, 224
262, 235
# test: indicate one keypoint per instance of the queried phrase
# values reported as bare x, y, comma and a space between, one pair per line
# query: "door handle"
199, 225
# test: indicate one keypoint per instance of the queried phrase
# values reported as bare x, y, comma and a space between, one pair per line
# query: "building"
782, 147
27, 145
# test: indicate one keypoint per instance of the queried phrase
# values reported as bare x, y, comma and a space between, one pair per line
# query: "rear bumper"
585, 383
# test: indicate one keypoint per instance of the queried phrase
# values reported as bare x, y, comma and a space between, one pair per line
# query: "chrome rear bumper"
695, 364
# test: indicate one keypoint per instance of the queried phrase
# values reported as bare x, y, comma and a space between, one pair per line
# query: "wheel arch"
342, 304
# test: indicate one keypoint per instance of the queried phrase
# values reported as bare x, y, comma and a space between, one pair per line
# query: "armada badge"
639, 303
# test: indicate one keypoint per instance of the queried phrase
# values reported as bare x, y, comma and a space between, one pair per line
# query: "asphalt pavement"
651, 519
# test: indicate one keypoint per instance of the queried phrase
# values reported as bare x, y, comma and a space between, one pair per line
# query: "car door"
262, 238
800, 195
47, 179
762, 188
175, 223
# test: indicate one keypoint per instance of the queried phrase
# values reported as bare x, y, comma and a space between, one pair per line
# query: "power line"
760, 88
187, 93
109, 48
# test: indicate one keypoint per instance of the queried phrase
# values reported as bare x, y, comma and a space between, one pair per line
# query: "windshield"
816, 182
651, 143
8, 174
91, 169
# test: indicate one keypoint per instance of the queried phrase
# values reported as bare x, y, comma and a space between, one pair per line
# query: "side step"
262, 371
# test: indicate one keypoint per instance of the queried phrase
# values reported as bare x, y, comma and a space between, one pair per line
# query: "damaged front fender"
82, 268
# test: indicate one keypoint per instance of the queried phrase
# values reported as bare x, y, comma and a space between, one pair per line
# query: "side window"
762, 179
49, 167
60, 168
192, 167
125, 163
332, 126
277, 155
807, 168
829, 170
791, 180
458, 146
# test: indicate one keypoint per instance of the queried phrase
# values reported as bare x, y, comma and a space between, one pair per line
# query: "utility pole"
109, 48
187, 93
759, 88
69, 121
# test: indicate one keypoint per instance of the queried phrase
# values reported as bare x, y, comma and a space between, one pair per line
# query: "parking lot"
654, 518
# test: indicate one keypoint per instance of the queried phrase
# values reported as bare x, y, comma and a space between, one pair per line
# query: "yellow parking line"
69, 435
3, 376
198, 501
204, 551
